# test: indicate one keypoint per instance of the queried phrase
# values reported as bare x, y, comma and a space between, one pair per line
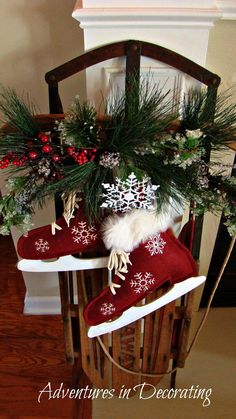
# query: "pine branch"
197, 113
17, 113
131, 123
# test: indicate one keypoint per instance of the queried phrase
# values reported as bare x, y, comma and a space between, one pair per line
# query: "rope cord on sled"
196, 333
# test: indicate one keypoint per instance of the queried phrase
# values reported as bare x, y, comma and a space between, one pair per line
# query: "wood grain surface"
32, 354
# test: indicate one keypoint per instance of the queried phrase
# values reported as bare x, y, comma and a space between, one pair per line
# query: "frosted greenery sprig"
79, 126
14, 215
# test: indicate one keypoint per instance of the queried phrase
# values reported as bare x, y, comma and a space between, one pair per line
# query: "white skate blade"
64, 263
135, 313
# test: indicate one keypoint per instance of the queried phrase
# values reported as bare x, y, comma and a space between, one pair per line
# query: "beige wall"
221, 54
36, 36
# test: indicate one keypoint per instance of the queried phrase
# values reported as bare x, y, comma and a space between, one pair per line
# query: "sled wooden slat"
126, 343
158, 337
94, 363
185, 329
166, 323
66, 317
151, 339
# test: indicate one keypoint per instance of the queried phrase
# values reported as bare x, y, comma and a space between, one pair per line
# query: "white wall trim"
228, 9
146, 3
42, 305
146, 18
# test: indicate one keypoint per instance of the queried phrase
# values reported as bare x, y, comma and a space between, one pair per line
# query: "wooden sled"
159, 341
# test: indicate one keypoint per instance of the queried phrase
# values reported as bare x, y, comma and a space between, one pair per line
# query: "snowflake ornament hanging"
129, 194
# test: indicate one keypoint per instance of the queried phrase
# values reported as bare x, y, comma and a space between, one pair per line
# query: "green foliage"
17, 114
79, 126
141, 128
139, 118
13, 215
215, 116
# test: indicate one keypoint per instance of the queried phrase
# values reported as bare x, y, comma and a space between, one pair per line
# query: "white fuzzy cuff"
127, 231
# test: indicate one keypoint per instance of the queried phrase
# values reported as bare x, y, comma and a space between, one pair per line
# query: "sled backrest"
132, 50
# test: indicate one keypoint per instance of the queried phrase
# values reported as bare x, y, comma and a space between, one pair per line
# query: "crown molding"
227, 8
146, 17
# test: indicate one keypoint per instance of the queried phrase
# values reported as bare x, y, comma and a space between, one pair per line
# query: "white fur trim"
127, 231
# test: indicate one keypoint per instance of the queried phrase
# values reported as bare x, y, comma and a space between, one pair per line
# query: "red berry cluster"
12, 158
44, 138
33, 155
83, 155
46, 148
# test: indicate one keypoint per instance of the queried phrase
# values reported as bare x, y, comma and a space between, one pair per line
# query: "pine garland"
138, 134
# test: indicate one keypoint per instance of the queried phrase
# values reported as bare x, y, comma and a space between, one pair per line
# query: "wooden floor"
32, 354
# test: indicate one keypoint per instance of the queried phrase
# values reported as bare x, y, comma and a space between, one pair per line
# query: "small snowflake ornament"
142, 282
155, 245
109, 160
107, 309
129, 194
42, 245
83, 234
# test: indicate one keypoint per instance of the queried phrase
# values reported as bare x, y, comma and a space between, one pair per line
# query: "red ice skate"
162, 258
66, 237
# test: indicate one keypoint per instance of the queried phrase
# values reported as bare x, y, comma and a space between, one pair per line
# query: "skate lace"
118, 260
70, 204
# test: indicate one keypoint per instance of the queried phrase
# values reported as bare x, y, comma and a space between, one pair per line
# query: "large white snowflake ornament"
129, 194
107, 309
142, 282
155, 245
41, 245
83, 234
